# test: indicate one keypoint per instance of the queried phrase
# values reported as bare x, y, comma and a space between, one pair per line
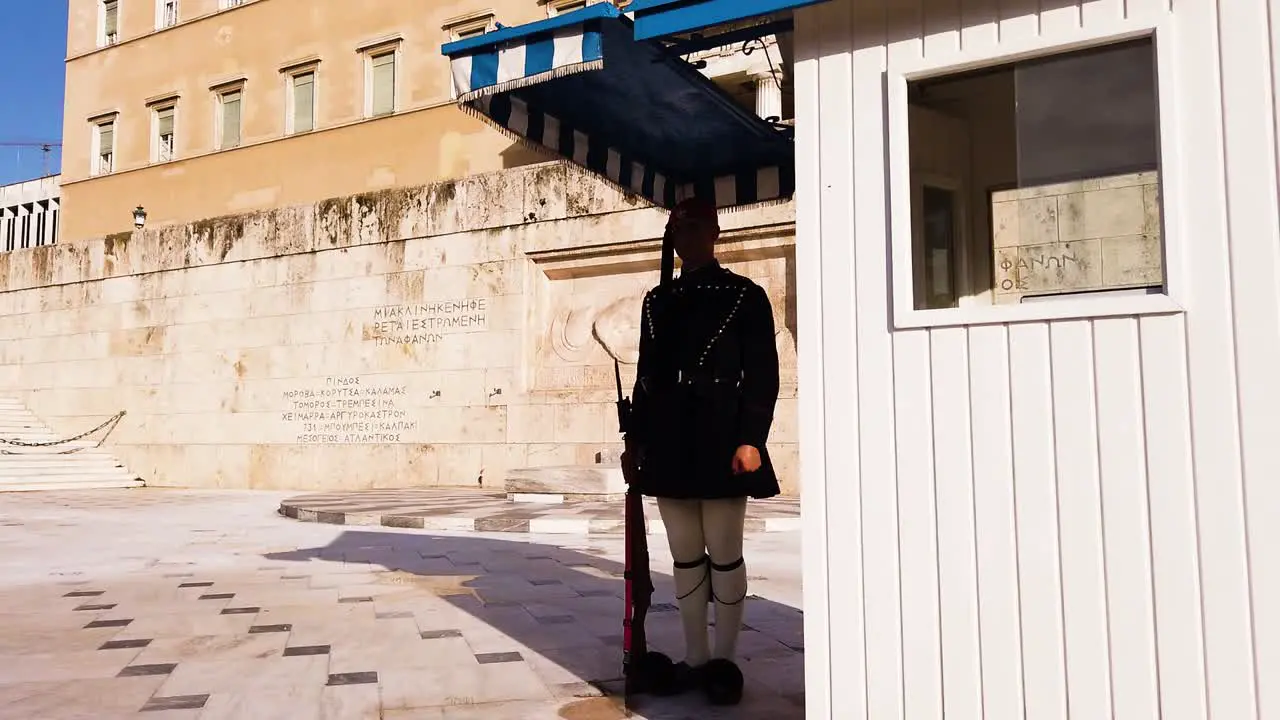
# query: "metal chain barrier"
110, 422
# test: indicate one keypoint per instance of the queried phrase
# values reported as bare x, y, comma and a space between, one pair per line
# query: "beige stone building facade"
201, 108
343, 281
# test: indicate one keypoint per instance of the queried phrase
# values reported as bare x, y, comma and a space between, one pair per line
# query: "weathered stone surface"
569, 481
388, 340
1098, 234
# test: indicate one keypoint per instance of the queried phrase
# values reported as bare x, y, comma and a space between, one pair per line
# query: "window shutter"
106, 139
110, 17
164, 121
231, 120
304, 100
384, 84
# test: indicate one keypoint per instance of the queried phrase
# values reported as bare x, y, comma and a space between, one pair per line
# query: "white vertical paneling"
1175, 560
1254, 224
840, 361
996, 526
1211, 364
818, 560
1039, 576
941, 20
957, 556
917, 527
1047, 520
980, 24
1084, 597
1059, 18
883, 601
1126, 528
1019, 19
1095, 13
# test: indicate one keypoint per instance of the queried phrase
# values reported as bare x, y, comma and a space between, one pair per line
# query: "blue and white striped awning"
580, 86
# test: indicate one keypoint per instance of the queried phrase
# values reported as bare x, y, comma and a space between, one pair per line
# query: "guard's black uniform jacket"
707, 383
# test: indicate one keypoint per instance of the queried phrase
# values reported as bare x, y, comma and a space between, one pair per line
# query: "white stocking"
723, 522
683, 521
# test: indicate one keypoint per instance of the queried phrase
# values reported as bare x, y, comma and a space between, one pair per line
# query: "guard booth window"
1037, 180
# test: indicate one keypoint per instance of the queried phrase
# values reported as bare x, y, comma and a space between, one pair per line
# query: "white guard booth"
1038, 261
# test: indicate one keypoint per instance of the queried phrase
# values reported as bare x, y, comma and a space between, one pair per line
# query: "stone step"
7, 470
51, 449
46, 485
65, 475
77, 459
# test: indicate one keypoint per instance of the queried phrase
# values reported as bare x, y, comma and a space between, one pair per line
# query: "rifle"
642, 671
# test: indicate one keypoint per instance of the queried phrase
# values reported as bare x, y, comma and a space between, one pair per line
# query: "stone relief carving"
571, 333
616, 327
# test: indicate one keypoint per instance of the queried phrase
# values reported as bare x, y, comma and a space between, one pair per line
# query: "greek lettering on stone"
427, 322
347, 410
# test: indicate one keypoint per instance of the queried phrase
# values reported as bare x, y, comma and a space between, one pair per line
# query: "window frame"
229, 4
394, 48
95, 143
161, 23
470, 25
103, 41
220, 94
904, 70
556, 7
291, 75
155, 110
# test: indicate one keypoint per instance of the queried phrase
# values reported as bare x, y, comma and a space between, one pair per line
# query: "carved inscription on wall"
427, 322
1086, 235
347, 410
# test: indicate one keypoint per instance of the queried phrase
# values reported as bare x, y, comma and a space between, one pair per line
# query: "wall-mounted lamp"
139, 217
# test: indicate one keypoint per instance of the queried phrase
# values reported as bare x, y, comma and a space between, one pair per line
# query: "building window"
301, 103
109, 24
104, 147
461, 28
1036, 180
164, 120
224, 4
166, 13
559, 7
380, 76
230, 106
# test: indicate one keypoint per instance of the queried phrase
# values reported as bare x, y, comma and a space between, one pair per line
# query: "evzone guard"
703, 404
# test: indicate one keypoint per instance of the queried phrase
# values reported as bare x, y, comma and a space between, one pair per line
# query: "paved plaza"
158, 603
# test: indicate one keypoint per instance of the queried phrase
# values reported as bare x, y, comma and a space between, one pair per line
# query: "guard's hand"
746, 460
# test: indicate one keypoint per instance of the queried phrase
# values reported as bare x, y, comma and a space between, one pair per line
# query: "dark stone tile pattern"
124, 644
353, 678
306, 650
175, 702
498, 657
438, 634
141, 670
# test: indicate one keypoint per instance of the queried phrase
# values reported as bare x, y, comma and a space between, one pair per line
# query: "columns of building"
768, 94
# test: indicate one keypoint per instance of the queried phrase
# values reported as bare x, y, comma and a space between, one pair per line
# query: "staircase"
48, 468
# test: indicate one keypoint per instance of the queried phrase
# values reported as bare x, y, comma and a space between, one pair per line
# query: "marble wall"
1099, 234
423, 336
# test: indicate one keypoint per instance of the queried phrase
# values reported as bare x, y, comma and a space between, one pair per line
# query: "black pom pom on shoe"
722, 681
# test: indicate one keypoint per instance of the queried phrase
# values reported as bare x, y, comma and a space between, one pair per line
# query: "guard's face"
693, 240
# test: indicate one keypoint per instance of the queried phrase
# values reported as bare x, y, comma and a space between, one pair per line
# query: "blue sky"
33, 45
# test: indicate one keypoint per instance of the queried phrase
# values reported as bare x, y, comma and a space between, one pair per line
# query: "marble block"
565, 483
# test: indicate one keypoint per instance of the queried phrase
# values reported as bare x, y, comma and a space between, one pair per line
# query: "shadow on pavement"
559, 608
